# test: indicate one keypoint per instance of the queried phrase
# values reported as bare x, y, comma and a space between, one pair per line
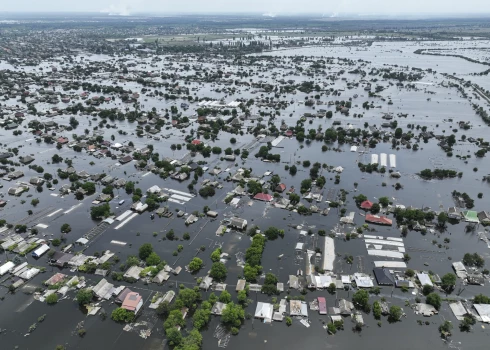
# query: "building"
367, 205
263, 197
133, 302
264, 311
280, 188
322, 306
40, 251
454, 213
484, 217
470, 216
383, 276
238, 223
378, 219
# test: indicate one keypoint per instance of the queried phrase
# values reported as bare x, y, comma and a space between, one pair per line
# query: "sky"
276, 7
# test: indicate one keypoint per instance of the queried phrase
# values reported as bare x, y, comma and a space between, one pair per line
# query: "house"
264, 311
107, 180
218, 308
16, 191
196, 142
26, 159
133, 302
62, 140
125, 159
122, 295
367, 205
36, 181
322, 306
298, 308
378, 219
484, 217
383, 276
345, 307
263, 197
470, 216
15, 174
139, 207
238, 223
454, 213
280, 188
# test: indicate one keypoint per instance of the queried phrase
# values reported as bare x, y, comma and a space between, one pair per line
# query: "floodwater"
19, 311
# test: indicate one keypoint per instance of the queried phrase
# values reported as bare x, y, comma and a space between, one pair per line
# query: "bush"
52, 299
122, 315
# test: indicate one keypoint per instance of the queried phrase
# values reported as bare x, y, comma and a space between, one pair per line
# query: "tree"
481, 299
163, 309
84, 296
332, 288
254, 187
218, 271
445, 328
174, 336
473, 260
242, 296
377, 310
195, 264
207, 191
434, 299
272, 233
375, 208
122, 315
188, 297
384, 201
52, 299
225, 297
361, 300
145, 251
174, 319
293, 170
398, 133
442, 219
201, 318
65, 228
101, 211
395, 313
216, 255
468, 321
409, 273
153, 259
34, 202
448, 281
192, 342
233, 315
427, 289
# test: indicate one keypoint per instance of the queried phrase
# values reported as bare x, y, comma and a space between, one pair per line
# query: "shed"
240, 285
9, 265
218, 308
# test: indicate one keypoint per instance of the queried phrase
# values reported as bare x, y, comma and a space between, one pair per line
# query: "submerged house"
378, 219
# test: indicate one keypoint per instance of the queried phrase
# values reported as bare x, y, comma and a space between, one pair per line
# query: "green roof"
471, 216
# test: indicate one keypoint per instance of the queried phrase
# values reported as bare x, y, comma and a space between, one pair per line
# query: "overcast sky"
261, 6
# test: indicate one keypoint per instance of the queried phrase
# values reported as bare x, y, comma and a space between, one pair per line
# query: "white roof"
299, 246
264, 310
41, 250
424, 279
363, 281
6, 267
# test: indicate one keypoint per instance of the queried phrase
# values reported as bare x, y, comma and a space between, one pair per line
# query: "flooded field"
219, 136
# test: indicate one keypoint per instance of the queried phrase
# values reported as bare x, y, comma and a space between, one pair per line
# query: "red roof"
366, 205
131, 301
322, 305
263, 197
196, 142
280, 187
289, 133
375, 219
